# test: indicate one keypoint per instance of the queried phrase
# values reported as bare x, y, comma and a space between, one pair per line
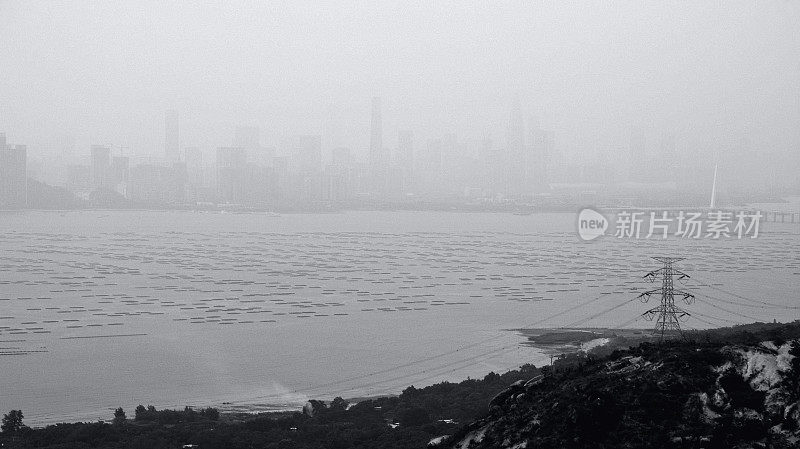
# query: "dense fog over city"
399, 224
612, 92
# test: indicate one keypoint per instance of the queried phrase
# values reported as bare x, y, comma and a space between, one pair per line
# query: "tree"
415, 416
340, 404
146, 414
12, 421
189, 414
141, 413
210, 413
119, 416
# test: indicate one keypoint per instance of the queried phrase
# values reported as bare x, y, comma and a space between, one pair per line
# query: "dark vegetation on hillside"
419, 413
585, 407
650, 396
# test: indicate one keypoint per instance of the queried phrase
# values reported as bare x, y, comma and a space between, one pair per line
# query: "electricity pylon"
667, 314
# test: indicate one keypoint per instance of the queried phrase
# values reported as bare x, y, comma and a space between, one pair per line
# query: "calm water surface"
100, 309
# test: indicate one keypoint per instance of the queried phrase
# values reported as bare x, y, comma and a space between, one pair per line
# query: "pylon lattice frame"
667, 315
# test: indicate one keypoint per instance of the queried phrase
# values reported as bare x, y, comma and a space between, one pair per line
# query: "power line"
668, 319
717, 306
735, 295
491, 353
626, 323
591, 317
433, 357
696, 315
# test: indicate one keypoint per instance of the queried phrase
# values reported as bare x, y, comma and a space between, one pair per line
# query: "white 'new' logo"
591, 224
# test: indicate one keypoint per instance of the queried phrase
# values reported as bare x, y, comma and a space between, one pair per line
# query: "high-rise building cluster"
523, 166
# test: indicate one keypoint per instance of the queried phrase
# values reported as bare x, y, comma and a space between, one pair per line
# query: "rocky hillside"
674, 395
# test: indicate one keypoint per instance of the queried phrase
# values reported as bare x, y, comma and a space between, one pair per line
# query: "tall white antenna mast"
714, 189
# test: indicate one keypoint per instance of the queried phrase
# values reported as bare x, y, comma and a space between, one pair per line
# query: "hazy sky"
105, 72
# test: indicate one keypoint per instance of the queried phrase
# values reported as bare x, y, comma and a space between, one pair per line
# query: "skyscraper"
429, 176
376, 134
405, 156
101, 167
120, 174
231, 168
195, 171
378, 163
515, 152
156, 184
540, 164
172, 151
13, 176
249, 138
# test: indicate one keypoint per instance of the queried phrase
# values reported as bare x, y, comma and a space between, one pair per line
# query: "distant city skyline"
528, 162
714, 74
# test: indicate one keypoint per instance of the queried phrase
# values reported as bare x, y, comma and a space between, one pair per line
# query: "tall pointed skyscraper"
540, 157
171, 137
378, 161
376, 134
405, 156
516, 159
714, 190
